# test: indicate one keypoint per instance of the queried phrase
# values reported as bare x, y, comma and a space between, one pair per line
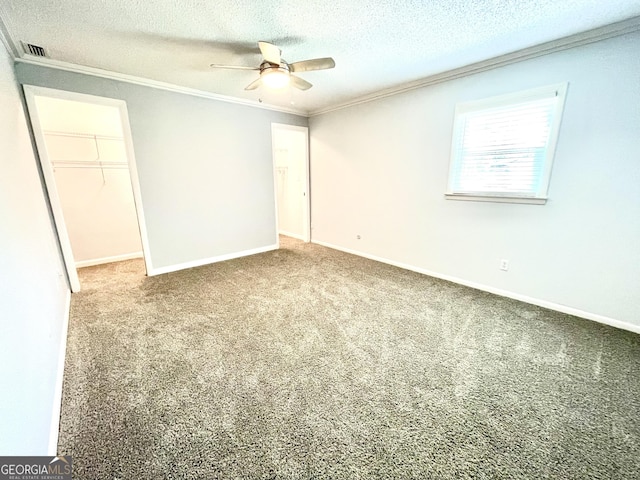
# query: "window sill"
495, 199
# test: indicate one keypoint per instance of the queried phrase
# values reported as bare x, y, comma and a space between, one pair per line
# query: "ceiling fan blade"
270, 52
299, 83
309, 65
253, 85
235, 67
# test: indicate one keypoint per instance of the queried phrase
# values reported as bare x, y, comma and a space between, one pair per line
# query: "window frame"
462, 109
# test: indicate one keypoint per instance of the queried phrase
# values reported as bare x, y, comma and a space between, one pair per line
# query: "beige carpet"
311, 363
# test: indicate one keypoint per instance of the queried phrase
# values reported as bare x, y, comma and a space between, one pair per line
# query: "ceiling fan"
276, 72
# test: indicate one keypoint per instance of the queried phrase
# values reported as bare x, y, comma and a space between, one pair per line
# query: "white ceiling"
376, 44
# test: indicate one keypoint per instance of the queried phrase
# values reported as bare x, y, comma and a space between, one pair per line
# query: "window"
503, 146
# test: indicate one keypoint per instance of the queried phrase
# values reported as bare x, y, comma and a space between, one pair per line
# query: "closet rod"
81, 135
87, 164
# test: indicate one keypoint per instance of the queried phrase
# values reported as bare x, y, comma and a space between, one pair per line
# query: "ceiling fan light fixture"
275, 77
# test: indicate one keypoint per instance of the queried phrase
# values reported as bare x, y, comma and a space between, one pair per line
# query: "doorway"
290, 146
86, 154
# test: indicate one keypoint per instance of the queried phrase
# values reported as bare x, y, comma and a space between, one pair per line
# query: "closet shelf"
82, 135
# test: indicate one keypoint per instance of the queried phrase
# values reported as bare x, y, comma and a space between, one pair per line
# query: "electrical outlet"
358, 237
504, 264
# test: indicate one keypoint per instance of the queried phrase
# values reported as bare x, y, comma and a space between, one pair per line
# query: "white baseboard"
57, 393
497, 291
207, 261
116, 258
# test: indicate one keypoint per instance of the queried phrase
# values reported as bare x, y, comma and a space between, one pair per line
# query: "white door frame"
31, 92
306, 227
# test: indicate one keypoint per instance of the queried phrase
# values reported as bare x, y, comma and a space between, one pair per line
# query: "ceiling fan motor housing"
284, 66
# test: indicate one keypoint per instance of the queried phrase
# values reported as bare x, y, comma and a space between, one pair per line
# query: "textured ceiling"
376, 44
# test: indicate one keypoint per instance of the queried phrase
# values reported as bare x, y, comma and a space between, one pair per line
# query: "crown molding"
123, 77
5, 37
18, 56
591, 36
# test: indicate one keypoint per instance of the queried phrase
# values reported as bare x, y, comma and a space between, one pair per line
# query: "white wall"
99, 213
97, 203
379, 170
205, 167
33, 290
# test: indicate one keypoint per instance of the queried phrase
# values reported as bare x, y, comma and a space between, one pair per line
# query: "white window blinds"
503, 147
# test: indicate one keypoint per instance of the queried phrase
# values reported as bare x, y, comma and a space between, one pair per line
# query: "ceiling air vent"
34, 50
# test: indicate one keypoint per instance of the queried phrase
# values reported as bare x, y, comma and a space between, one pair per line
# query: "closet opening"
86, 154
290, 145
